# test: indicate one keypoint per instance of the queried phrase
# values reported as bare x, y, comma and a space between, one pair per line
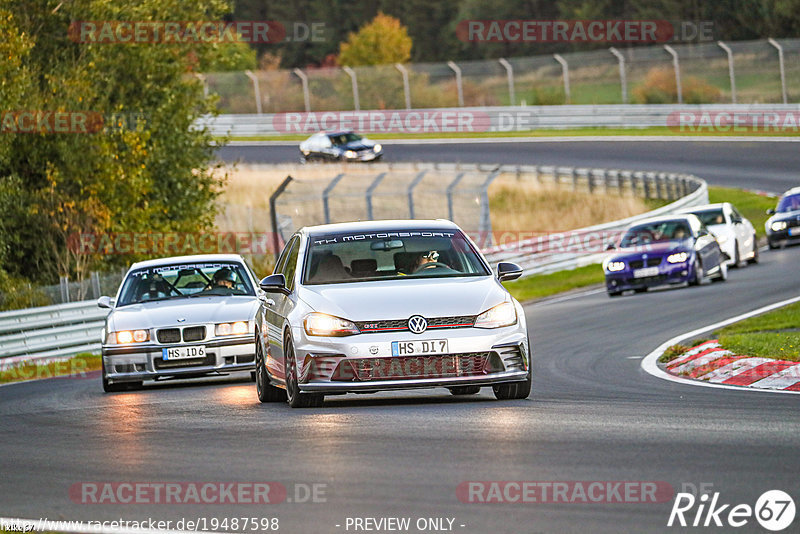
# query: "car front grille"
173, 335
400, 325
412, 367
650, 262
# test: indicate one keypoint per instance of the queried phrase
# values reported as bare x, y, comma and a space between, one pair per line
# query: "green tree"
383, 41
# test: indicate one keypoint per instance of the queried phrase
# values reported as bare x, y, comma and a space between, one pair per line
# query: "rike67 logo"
774, 510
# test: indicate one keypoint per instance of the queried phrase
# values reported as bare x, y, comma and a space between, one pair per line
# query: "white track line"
650, 362
554, 139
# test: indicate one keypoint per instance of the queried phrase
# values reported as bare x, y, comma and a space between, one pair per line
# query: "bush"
659, 87
17, 293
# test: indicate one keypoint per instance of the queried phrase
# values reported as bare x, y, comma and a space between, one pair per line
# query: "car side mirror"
508, 271
274, 283
105, 302
771, 211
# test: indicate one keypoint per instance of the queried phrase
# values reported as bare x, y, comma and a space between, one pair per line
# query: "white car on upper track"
735, 234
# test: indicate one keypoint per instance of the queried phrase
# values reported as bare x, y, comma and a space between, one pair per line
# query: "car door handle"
269, 302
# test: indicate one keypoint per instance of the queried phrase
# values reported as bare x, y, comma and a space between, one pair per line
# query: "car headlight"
322, 324
232, 329
615, 266
349, 154
377, 148
777, 226
680, 257
123, 337
504, 314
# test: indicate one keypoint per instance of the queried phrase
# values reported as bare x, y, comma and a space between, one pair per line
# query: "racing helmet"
225, 274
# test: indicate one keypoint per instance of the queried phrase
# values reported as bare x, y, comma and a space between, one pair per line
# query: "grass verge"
76, 367
571, 132
753, 206
544, 285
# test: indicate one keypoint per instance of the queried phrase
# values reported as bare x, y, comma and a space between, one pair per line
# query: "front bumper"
667, 274
353, 364
144, 361
782, 237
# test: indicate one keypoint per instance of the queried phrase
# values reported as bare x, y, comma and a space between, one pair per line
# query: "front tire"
516, 390
266, 392
699, 274
737, 258
754, 259
294, 396
723, 273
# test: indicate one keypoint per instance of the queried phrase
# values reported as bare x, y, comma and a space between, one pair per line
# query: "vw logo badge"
417, 324
181, 319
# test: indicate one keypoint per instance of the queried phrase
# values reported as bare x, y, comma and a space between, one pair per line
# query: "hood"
399, 299
197, 310
656, 249
361, 144
788, 216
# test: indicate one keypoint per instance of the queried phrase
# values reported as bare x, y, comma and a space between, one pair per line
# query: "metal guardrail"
489, 119
50, 332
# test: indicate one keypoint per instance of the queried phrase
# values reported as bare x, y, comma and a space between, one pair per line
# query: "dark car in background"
343, 145
664, 250
784, 226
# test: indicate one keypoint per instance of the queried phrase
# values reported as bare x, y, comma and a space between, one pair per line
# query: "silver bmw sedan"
372, 306
179, 317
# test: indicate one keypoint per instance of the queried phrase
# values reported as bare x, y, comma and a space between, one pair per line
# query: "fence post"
414, 183
565, 73
63, 283
204, 81
728, 51
623, 78
371, 189
574, 174
485, 224
777, 45
512, 98
459, 87
450, 188
306, 96
354, 82
273, 214
256, 90
95, 279
406, 89
326, 195
677, 66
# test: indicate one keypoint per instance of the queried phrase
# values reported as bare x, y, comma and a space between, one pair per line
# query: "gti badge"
417, 324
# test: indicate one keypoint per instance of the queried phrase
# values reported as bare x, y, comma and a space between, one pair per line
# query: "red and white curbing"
711, 363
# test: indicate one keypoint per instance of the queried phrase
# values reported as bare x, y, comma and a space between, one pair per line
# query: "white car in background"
735, 234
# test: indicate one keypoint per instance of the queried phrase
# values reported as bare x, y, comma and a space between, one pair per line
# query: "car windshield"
710, 217
185, 280
365, 256
656, 232
789, 203
344, 138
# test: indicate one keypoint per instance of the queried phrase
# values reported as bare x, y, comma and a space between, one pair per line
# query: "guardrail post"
777, 45
354, 82
605, 181
574, 174
273, 214
256, 90
660, 185
510, 75
677, 67
406, 88
623, 78
63, 282
645, 184
459, 87
632, 179
306, 96
371, 189
326, 193
565, 75
94, 277
450, 188
414, 183
731, 74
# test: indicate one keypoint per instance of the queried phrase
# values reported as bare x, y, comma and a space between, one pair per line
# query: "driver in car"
427, 260
223, 278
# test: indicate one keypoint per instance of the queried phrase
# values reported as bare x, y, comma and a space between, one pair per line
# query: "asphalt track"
594, 415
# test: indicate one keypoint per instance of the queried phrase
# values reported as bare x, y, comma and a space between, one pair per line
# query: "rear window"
364, 256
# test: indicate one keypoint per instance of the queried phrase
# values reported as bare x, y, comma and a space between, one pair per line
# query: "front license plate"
419, 348
647, 271
183, 353
794, 231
